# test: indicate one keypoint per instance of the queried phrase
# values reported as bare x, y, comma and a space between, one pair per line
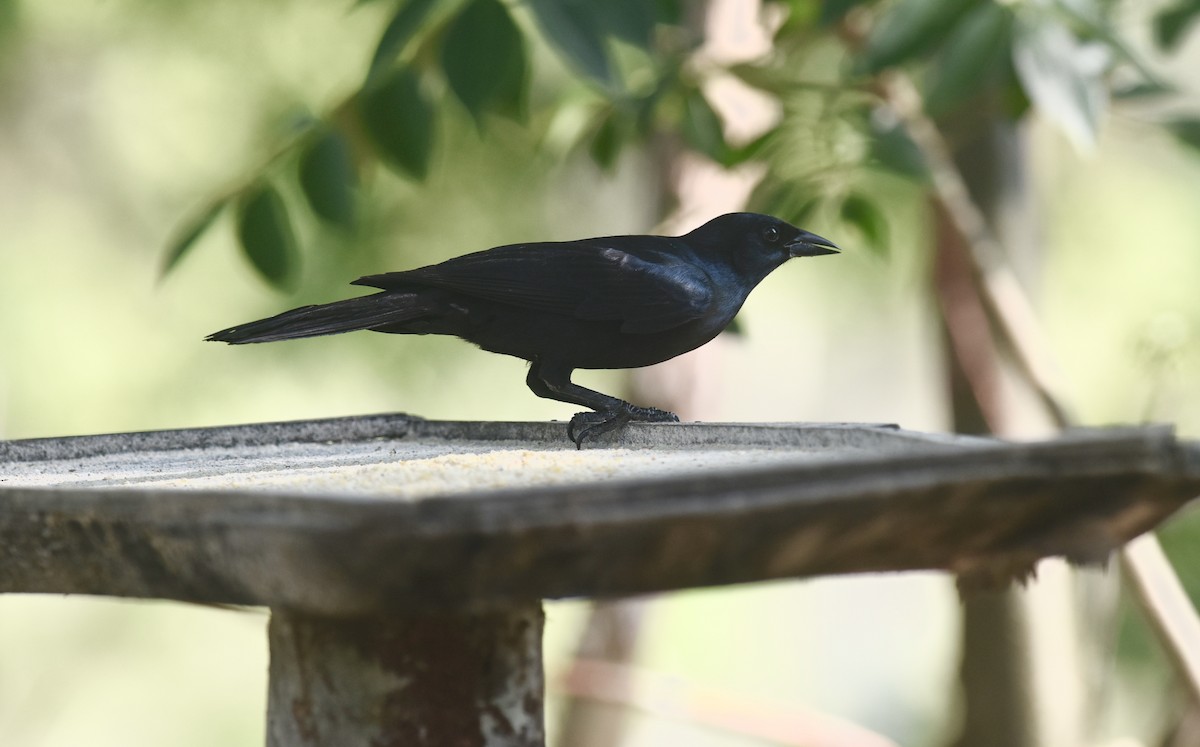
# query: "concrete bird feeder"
405, 561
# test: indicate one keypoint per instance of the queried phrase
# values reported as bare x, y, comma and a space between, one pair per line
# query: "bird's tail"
364, 312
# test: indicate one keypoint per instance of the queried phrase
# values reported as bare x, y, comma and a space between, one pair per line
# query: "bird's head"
757, 244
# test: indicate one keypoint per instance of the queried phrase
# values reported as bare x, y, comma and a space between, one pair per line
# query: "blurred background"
268, 153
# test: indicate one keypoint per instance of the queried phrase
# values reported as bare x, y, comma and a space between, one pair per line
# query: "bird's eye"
771, 234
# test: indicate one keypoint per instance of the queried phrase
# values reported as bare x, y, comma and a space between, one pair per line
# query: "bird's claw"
586, 424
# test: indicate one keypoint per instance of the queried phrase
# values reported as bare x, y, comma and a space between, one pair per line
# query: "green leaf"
328, 179
1186, 130
832, 11
629, 20
266, 234
1014, 101
756, 76
701, 127
791, 201
606, 143
1172, 23
800, 209
894, 151
735, 328
191, 231
870, 221
399, 118
645, 109
1063, 77
570, 26
579, 30
752, 149
1143, 89
483, 55
909, 28
975, 52
670, 12
1089, 21
399, 31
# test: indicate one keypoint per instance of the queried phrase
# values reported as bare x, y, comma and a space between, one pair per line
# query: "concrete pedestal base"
447, 679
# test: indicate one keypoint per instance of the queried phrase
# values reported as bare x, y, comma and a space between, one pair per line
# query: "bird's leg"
554, 382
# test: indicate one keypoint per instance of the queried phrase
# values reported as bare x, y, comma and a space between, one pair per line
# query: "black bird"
610, 302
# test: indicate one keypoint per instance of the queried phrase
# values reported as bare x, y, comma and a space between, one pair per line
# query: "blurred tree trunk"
1011, 698
994, 669
611, 634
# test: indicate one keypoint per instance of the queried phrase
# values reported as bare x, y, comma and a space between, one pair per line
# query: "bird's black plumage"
609, 302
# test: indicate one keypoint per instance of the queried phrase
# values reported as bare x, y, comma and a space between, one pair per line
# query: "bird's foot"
586, 424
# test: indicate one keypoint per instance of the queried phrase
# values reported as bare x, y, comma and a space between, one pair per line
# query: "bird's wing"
647, 289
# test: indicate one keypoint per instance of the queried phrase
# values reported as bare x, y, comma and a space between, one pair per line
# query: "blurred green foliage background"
120, 119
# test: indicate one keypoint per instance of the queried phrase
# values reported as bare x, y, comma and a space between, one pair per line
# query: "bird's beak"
810, 245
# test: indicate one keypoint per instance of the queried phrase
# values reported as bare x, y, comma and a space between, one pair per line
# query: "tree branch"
1155, 583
